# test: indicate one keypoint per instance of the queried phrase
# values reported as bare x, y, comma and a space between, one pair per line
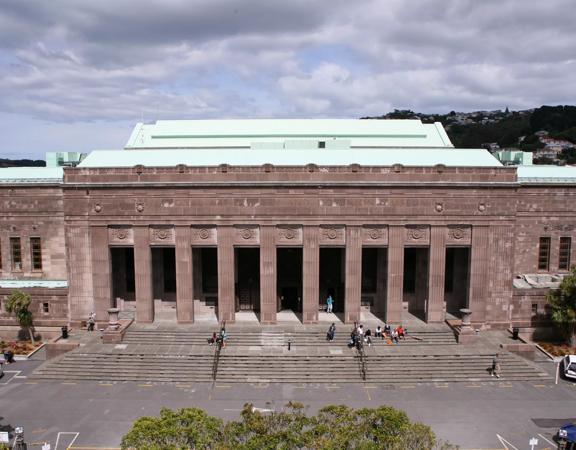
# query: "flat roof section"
22, 284
31, 175
166, 134
281, 157
546, 174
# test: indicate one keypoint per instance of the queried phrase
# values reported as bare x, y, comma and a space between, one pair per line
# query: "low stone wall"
116, 336
54, 349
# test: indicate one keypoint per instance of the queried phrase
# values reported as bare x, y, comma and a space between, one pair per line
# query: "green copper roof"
244, 133
293, 157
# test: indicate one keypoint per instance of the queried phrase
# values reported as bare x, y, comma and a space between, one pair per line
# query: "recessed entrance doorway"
457, 279
164, 283
247, 279
123, 286
374, 277
332, 278
289, 280
416, 280
205, 283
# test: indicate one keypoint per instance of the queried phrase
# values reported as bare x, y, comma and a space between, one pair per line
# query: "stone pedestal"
467, 334
113, 323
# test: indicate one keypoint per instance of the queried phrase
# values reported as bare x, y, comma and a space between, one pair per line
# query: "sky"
77, 75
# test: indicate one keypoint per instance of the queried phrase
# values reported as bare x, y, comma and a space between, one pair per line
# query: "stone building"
273, 215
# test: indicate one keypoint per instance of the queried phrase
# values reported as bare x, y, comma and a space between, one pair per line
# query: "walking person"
331, 332
496, 366
329, 304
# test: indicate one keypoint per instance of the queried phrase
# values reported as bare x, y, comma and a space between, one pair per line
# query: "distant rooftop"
21, 284
336, 133
293, 157
547, 174
31, 175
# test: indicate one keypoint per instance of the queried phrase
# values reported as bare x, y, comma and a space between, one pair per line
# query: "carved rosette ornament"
457, 233
204, 233
98, 207
162, 234
375, 233
120, 233
331, 233
416, 233
247, 233
439, 207
289, 233
139, 207
482, 207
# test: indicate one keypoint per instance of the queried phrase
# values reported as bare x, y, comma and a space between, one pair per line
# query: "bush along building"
194, 218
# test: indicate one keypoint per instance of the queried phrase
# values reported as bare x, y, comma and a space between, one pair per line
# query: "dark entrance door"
248, 279
290, 298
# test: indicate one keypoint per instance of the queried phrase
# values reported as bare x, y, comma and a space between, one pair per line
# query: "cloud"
71, 62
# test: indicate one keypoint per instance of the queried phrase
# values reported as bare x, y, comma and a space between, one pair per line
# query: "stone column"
311, 275
101, 277
80, 280
268, 291
226, 298
381, 270
395, 274
478, 272
143, 275
353, 274
436, 274
184, 291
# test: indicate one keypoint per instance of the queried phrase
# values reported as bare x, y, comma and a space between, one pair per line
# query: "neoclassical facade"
221, 217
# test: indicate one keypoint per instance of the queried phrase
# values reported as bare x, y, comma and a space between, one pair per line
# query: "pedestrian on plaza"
360, 331
212, 340
331, 332
91, 321
496, 366
329, 304
378, 332
353, 338
223, 336
400, 332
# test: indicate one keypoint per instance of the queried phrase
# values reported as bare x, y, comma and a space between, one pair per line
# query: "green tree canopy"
563, 304
333, 428
18, 304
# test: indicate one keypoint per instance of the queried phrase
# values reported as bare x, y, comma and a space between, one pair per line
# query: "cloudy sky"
76, 75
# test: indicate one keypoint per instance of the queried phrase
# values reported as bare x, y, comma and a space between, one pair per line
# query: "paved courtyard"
471, 414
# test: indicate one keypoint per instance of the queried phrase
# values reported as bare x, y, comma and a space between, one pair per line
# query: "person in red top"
400, 332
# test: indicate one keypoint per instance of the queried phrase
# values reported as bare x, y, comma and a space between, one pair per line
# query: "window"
534, 309
544, 253
45, 307
36, 253
16, 251
564, 255
322, 144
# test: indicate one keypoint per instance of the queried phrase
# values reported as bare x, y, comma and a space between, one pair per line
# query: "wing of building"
200, 218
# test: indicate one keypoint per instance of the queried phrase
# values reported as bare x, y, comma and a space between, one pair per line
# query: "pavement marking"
66, 432
505, 443
546, 439
224, 386
473, 385
539, 385
441, 385
31, 382
145, 385
407, 387
332, 386
93, 448
368, 395
15, 372
105, 384
68, 382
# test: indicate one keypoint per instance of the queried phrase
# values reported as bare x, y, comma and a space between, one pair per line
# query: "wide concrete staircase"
274, 338
253, 356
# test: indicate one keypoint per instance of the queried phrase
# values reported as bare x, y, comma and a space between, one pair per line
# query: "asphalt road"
472, 415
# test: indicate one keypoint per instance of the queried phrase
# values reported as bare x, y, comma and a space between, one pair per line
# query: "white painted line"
546, 439
505, 443
66, 432
16, 372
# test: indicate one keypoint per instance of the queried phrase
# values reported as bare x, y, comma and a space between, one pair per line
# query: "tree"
18, 304
185, 428
563, 304
334, 427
